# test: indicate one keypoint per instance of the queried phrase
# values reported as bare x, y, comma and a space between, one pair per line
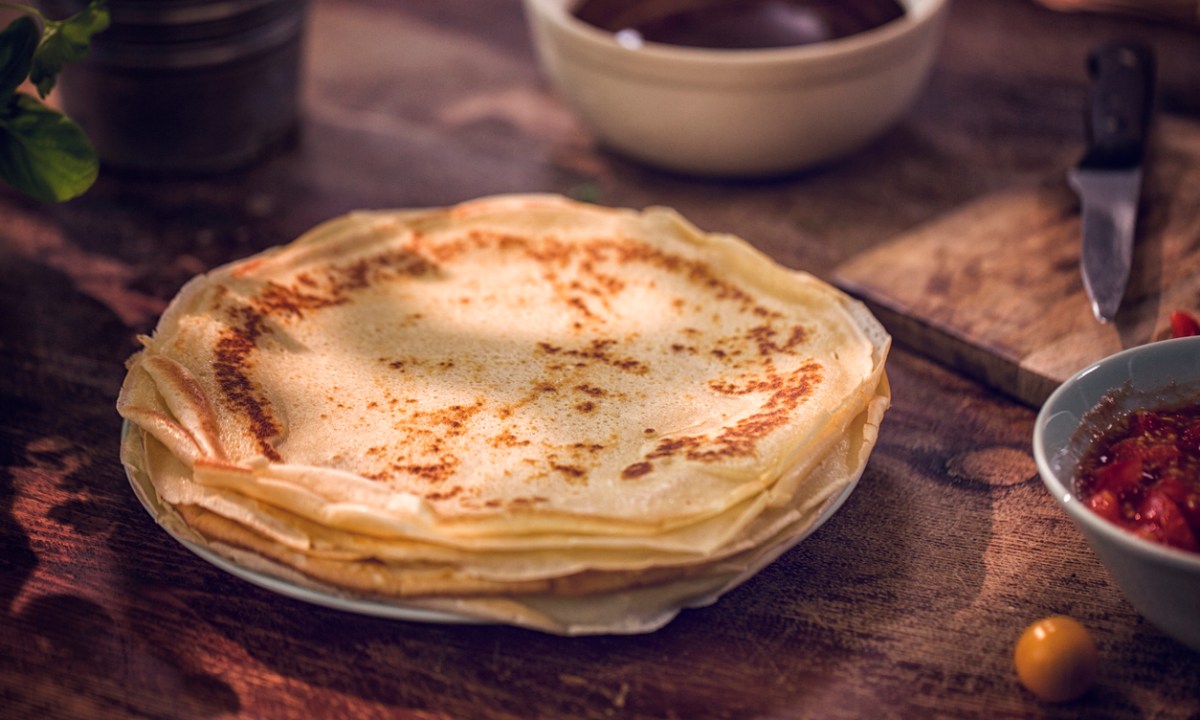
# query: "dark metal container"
187, 86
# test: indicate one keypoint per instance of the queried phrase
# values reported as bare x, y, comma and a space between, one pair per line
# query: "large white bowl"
1162, 583
737, 112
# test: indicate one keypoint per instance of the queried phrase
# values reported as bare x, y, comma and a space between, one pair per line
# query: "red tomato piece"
1148, 531
1149, 451
1175, 490
1190, 437
1160, 454
1160, 511
1190, 507
1106, 505
1127, 448
1120, 475
1184, 325
1145, 422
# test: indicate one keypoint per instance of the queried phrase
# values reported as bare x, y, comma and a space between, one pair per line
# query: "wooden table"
906, 604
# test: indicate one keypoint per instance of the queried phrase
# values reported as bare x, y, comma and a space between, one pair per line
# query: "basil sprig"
43, 152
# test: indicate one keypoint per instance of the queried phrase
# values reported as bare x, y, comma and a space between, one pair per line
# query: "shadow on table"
71, 644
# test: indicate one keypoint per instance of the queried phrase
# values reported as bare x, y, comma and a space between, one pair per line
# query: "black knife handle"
1119, 105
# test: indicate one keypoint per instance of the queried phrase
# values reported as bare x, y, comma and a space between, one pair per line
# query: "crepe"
506, 406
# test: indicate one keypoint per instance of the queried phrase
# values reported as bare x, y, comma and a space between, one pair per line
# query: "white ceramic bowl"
737, 112
1162, 583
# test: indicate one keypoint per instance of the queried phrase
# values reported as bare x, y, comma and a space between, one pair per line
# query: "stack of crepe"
520, 409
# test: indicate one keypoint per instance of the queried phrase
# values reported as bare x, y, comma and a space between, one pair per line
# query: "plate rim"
147, 497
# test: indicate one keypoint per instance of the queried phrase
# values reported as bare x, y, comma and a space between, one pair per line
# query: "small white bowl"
737, 112
1162, 583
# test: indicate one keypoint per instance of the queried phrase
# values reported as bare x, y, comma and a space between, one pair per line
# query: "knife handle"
1119, 105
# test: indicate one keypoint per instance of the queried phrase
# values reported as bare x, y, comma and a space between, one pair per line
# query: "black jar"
187, 86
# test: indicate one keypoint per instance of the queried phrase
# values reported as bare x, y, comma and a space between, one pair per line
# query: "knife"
1108, 178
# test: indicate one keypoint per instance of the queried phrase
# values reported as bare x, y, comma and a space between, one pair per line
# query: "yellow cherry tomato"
1056, 659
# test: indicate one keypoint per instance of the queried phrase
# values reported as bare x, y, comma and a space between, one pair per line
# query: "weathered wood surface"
906, 604
994, 289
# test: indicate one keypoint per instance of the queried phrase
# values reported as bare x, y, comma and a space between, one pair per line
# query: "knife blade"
1108, 178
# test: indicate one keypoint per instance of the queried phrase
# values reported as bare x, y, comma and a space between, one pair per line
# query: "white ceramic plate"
398, 610
394, 610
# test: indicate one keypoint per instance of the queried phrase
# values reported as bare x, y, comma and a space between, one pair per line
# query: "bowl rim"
918, 14
1064, 493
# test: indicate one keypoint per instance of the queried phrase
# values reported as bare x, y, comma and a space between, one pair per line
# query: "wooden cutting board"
993, 289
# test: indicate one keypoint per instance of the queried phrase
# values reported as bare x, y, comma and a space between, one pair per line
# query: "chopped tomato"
1106, 505
1143, 474
1120, 475
1160, 454
1183, 324
1143, 422
1164, 515
1185, 498
1148, 450
1175, 490
1190, 507
1190, 437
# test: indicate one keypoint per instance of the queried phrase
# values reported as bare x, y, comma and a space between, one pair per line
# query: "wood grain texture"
994, 289
906, 604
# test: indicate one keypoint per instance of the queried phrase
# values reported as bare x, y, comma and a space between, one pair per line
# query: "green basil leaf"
43, 153
18, 43
65, 42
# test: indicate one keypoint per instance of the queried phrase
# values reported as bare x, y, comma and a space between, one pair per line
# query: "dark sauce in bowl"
739, 24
